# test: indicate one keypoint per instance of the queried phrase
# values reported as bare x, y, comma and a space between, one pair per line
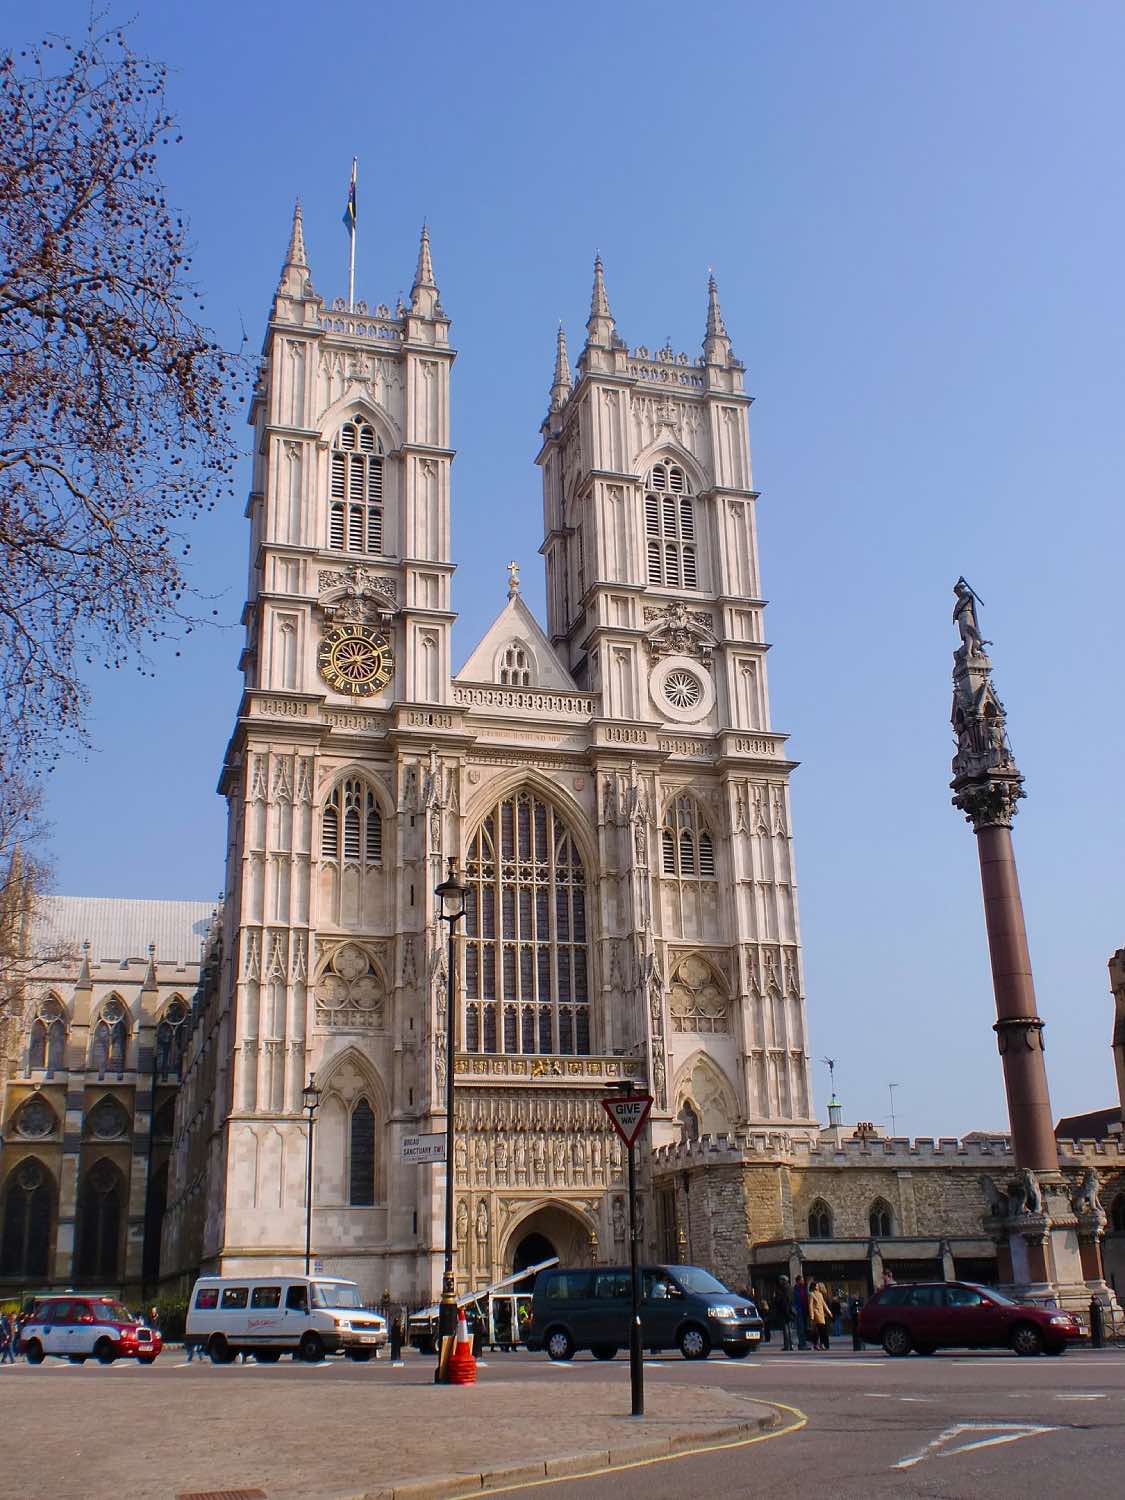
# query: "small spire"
513, 580
296, 252
563, 382
84, 972
600, 327
424, 293
716, 344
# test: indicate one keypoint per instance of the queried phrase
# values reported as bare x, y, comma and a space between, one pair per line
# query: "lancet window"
670, 528
820, 1221
526, 956
171, 1038
351, 824
28, 1208
47, 1043
110, 1037
361, 1155
99, 1221
356, 499
687, 849
880, 1220
515, 666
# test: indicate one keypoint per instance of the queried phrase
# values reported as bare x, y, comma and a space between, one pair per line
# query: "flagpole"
351, 252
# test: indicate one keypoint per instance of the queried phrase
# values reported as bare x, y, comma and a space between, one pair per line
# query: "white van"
310, 1316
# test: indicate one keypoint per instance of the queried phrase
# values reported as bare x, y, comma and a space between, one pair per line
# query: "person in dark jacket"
783, 1312
801, 1312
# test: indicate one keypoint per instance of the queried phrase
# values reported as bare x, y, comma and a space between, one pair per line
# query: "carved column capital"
989, 802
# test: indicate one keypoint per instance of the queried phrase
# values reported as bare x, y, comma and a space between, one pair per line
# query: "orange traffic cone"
462, 1365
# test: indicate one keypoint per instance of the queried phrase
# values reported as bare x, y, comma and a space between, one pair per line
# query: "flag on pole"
349, 212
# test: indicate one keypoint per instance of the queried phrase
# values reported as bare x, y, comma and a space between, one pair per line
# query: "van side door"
663, 1305
296, 1311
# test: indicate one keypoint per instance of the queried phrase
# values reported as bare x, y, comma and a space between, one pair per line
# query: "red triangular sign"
628, 1112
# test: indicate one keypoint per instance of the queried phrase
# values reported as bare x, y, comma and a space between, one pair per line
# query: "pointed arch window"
171, 1039
110, 1038
820, 1221
515, 666
526, 956
687, 849
361, 1155
881, 1220
351, 821
47, 1042
27, 1212
99, 1222
670, 528
356, 490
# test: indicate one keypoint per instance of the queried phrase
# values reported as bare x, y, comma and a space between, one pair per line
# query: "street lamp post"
310, 1098
451, 898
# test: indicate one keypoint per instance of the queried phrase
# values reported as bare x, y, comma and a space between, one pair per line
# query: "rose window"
683, 689
35, 1119
349, 992
696, 1002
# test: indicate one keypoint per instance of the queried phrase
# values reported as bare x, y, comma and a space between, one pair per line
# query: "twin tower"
612, 787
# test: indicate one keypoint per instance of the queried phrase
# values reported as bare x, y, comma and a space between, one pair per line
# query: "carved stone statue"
997, 1201
462, 1221
482, 1219
1086, 1200
1024, 1196
618, 1219
965, 618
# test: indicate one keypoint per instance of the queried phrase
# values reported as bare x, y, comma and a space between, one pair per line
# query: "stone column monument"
1047, 1246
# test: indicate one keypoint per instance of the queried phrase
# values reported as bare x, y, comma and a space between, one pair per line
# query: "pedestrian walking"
7, 1357
783, 1312
836, 1308
762, 1303
801, 1312
818, 1316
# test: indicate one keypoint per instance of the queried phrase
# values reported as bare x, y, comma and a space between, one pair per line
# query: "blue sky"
915, 216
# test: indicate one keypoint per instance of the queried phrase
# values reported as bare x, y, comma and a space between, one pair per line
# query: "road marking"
1084, 1396
1004, 1432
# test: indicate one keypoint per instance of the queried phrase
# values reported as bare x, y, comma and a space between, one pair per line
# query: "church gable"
515, 652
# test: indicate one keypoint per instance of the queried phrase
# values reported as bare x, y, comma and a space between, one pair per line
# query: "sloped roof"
1094, 1125
122, 928
516, 623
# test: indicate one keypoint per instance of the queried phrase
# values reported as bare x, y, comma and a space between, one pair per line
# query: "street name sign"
423, 1148
628, 1113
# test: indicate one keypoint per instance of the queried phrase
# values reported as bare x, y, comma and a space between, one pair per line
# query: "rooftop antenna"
891, 1090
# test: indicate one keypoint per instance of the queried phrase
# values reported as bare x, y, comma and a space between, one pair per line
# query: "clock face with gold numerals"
356, 659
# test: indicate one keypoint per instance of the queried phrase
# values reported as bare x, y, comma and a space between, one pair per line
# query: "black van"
681, 1306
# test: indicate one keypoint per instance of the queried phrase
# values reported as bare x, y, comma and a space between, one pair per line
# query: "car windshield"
692, 1279
106, 1307
336, 1294
994, 1296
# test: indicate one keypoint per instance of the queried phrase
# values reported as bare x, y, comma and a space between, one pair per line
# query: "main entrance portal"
553, 1229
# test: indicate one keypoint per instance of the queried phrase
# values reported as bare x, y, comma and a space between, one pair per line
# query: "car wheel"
220, 1351
311, 1350
604, 1351
559, 1344
104, 1352
146, 1359
359, 1356
34, 1352
695, 1342
267, 1356
1027, 1339
736, 1353
896, 1341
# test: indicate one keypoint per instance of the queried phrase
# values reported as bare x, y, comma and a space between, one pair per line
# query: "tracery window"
349, 992
695, 1000
820, 1221
686, 847
47, 1048
356, 505
526, 962
27, 1211
110, 1036
880, 1220
171, 1039
351, 818
670, 528
361, 1155
515, 666
99, 1221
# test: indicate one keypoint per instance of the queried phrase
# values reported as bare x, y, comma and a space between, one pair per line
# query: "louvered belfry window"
351, 819
670, 528
526, 957
356, 490
687, 849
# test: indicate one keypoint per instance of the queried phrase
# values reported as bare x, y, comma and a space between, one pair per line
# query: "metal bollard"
1097, 1324
853, 1314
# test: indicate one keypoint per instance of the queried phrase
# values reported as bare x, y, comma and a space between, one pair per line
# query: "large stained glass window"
526, 957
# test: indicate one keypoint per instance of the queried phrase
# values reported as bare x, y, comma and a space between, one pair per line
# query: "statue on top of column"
986, 780
965, 618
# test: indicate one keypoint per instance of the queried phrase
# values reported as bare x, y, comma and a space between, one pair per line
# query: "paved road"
988, 1425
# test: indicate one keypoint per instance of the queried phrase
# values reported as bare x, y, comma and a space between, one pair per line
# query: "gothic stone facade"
98, 1008
612, 786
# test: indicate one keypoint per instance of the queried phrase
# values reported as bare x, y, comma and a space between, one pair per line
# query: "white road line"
1084, 1396
1003, 1432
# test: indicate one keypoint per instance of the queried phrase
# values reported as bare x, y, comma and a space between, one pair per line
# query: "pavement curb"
681, 1444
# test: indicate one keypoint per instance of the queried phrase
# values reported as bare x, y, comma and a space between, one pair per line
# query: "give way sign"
628, 1112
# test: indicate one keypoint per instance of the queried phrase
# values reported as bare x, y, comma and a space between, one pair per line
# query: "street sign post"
423, 1148
628, 1112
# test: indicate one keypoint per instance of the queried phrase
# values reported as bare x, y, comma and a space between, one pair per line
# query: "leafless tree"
115, 401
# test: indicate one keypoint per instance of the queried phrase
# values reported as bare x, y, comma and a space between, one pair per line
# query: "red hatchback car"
930, 1315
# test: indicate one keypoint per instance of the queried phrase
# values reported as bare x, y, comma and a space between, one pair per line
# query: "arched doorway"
531, 1250
552, 1229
